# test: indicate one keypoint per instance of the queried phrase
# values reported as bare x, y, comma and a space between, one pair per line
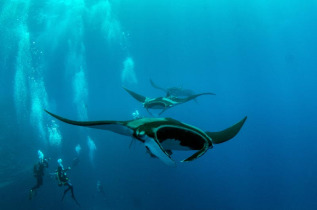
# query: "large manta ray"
162, 135
174, 91
162, 102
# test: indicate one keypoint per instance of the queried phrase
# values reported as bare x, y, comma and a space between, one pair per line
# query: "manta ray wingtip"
135, 95
48, 112
227, 134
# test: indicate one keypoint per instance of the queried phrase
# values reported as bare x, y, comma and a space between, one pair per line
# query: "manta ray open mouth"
187, 139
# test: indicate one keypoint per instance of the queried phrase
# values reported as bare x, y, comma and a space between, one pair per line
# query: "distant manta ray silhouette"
162, 135
162, 103
174, 91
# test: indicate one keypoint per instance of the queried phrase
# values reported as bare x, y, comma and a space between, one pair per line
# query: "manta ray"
174, 91
161, 136
163, 103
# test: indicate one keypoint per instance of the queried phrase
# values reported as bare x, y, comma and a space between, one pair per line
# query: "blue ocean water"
72, 57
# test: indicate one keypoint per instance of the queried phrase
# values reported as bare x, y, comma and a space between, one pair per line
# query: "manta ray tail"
227, 134
135, 95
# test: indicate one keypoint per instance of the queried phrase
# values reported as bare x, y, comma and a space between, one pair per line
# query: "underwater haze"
73, 58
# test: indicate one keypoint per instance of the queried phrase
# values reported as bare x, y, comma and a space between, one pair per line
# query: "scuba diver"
38, 171
76, 160
62, 178
136, 115
100, 188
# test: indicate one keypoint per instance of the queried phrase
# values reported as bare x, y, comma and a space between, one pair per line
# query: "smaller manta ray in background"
163, 103
174, 91
162, 135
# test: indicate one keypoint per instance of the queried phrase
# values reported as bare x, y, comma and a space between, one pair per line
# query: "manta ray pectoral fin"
227, 134
197, 95
135, 95
114, 126
192, 97
156, 149
197, 154
156, 86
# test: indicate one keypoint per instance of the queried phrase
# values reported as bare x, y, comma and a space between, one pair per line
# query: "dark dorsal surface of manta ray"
174, 91
162, 103
163, 135
179, 92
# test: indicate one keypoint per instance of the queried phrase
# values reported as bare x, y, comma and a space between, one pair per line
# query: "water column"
30, 95
22, 71
128, 75
76, 57
101, 16
92, 148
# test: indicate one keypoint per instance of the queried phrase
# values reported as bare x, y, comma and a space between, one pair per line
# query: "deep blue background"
259, 57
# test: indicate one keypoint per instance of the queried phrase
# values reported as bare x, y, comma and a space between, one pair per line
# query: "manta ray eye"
141, 134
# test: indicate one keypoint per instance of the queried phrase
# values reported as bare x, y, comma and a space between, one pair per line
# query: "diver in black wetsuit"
63, 180
38, 171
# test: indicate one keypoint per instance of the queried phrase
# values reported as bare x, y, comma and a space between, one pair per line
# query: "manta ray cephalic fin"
157, 150
197, 154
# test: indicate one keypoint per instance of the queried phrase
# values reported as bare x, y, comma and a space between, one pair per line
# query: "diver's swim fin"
75, 200
157, 150
63, 195
73, 197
